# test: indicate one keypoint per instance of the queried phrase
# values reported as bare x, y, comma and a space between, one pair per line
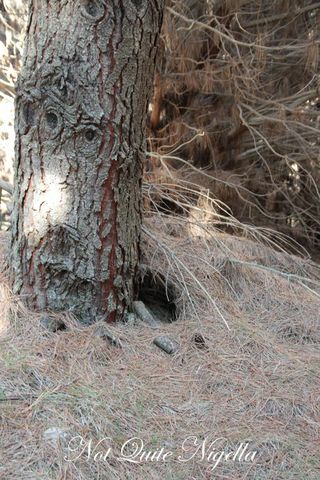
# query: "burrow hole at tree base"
158, 294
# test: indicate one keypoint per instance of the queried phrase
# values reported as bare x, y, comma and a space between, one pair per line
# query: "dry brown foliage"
240, 99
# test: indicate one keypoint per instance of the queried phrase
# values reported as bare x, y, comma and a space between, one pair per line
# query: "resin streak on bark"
82, 99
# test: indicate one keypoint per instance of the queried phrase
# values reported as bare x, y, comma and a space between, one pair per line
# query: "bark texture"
82, 99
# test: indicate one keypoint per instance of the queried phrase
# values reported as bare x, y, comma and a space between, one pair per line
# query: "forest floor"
247, 371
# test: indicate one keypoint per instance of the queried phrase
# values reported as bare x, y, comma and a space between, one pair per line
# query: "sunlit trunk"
82, 99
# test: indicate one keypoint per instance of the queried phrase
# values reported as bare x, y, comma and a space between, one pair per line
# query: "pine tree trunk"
82, 100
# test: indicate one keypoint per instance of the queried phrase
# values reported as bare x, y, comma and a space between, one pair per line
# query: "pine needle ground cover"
246, 370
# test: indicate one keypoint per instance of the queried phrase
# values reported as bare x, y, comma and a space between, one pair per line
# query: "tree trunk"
82, 100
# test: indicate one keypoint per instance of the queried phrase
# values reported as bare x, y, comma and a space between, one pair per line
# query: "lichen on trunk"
82, 98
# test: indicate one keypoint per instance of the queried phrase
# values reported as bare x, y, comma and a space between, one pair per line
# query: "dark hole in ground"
158, 296
52, 324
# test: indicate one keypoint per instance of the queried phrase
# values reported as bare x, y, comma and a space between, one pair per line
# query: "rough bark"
81, 106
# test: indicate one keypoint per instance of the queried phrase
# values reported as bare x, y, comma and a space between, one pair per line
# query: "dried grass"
258, 381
